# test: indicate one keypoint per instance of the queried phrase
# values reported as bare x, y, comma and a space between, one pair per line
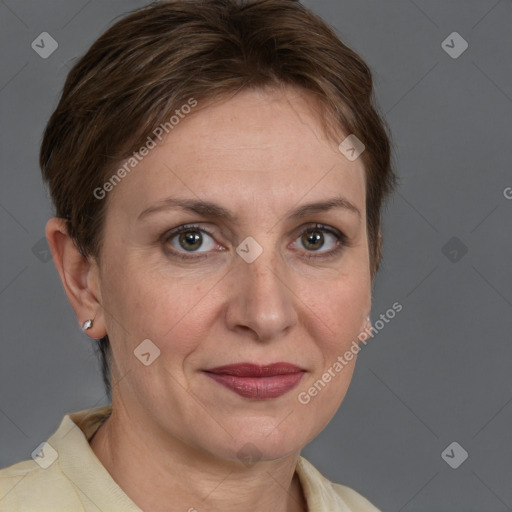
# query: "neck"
180, 477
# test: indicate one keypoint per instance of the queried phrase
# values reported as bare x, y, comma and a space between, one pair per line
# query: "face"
265, 282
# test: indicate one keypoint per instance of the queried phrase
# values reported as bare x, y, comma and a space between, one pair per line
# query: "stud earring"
86, 325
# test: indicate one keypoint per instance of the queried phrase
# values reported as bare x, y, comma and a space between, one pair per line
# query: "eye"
187, 241
315, 239
191, 239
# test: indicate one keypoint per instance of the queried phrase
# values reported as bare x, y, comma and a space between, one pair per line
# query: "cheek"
320, 397
339, 308
172, 313
338, 321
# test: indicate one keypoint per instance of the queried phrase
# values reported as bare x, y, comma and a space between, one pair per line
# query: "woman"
218, 170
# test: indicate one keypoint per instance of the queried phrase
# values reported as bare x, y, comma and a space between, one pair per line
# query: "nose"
262, 302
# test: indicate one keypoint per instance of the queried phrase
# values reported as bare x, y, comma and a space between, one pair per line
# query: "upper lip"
254, 370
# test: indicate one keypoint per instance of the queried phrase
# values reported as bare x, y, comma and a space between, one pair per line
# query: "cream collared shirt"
66, 476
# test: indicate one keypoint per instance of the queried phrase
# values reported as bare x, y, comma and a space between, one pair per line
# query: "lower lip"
259, 388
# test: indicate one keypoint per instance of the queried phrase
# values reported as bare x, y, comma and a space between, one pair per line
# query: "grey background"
438, 372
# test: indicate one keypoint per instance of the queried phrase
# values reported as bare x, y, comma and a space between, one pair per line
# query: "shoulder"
64, 475
27, 486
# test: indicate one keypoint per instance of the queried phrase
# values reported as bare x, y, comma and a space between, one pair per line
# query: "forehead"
258, 149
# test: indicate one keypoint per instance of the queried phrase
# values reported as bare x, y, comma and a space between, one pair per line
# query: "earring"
86, 325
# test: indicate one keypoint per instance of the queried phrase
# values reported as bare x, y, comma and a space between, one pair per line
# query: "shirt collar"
84, 469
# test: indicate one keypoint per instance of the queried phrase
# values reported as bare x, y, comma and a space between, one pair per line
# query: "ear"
367, 326
79, 276
366, 330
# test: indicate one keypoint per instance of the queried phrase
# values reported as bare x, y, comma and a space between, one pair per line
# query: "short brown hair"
156, 58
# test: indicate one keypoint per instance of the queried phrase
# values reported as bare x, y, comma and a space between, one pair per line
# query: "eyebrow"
213, 210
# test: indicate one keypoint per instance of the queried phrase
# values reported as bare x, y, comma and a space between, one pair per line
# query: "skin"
173, 437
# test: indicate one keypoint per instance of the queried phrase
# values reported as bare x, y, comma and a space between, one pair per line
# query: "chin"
251, 443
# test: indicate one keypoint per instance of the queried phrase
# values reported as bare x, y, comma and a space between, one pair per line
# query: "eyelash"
341, 238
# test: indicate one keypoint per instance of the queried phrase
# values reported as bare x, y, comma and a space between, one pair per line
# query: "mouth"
257, 382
